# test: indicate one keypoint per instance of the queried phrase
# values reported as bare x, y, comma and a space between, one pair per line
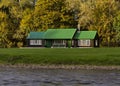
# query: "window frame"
59, 42
83, 42
35, 42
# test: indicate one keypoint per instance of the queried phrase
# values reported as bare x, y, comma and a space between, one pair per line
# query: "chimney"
78, 28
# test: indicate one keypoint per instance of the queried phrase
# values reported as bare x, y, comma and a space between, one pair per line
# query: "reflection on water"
58, 77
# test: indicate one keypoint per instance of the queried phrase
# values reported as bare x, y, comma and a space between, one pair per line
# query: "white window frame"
35, 42
83, 42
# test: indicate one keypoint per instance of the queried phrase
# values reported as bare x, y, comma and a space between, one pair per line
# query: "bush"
19, 44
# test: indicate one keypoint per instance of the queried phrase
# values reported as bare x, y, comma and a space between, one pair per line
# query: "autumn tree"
9, 22
98, 15
26, 22
12, 12
52, 14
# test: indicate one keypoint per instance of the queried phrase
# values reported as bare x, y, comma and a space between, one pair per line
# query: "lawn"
64, 56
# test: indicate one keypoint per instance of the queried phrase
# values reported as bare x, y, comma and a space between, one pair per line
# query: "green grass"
65, 56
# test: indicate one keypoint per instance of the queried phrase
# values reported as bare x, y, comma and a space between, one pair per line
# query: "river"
58, 77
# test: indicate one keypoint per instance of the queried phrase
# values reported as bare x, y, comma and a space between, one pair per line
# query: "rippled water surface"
58, 77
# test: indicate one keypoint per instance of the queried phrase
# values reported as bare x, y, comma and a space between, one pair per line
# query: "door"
48, 43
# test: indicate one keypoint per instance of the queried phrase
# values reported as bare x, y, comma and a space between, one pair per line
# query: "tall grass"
64, 56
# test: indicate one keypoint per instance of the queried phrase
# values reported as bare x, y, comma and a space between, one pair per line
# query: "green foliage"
69, 43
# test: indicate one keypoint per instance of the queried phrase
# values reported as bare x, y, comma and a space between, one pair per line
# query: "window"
35, 42
96, 42
72, 42
87, 42
59, 42
83, 42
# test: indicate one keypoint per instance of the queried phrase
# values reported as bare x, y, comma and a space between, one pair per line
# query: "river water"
58, 77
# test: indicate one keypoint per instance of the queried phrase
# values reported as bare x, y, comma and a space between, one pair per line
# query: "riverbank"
71, 58
71, 67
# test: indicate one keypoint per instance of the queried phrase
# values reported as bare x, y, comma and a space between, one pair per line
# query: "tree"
116, 26
26, 21
52, 14
10, 23
98, 15
102, 17
3, 30
26, 25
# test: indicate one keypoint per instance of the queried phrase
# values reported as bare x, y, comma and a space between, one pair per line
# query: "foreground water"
58, 77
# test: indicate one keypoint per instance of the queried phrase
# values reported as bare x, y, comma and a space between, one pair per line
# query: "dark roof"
36, 35
85, 35
59, 33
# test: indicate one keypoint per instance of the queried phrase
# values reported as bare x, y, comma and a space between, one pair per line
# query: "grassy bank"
64, 56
